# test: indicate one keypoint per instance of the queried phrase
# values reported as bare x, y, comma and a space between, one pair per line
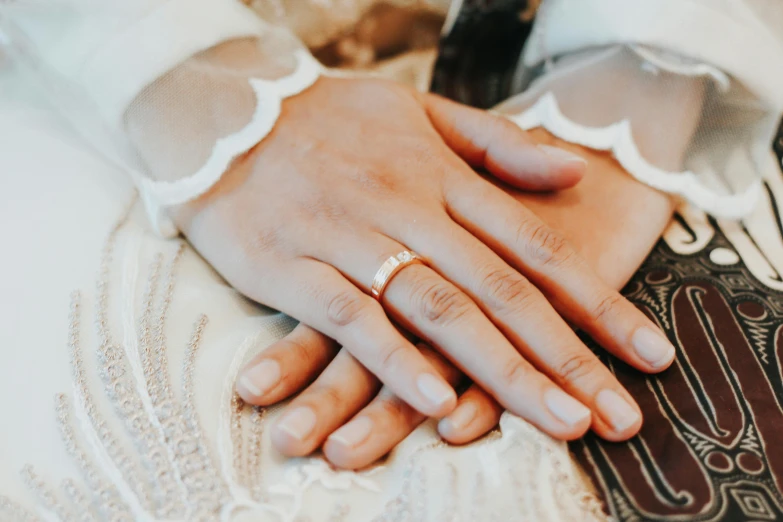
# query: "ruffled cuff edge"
157, 196
618, 139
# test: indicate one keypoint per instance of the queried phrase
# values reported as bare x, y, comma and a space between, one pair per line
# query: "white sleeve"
680, 92
114, 49
170, 90
744, 38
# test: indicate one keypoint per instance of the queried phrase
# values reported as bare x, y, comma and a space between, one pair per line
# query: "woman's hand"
360, 170
600, 217
353, 418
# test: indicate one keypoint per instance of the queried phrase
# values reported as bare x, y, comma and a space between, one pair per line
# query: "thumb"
488, 141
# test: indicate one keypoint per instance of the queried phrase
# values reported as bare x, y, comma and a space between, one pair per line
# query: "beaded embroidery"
159, 464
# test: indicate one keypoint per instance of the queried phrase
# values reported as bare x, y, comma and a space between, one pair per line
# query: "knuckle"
514, 373
327, 398
394, 409
576, 366
504, 288
441, 303
345, 308
545, 245
306, 355
606, 307
391, 357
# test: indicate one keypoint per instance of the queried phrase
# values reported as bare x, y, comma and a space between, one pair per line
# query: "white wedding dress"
120, 348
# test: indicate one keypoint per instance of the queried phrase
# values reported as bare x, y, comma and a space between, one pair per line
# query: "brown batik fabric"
712, 444
711, 448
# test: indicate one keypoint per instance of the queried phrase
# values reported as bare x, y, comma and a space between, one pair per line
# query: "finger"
425, 303
521, 317
486, 140
326, 301
335, 396
285, 367
550, 262
382, 424
475, 415
441, 313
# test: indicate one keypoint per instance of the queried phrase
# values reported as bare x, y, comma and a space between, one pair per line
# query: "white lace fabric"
743, 38
195, 121
651, 109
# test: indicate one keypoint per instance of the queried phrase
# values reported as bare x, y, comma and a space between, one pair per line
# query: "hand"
346, 410
611, 219
606, 196
359, 170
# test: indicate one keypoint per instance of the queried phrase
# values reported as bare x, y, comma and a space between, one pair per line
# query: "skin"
599, 217
357, 170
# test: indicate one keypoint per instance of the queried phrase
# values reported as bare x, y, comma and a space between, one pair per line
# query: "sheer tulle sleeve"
174, 90
171, 90
193, 122
113, 49
677, 91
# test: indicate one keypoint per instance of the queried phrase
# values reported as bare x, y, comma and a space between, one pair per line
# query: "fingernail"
565, 407
259, 379
460, 417
562, 155
298, 423
653, 347
616, 410
353, 433
434, 390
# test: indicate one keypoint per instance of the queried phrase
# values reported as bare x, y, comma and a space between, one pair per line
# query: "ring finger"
439, 312
320, 296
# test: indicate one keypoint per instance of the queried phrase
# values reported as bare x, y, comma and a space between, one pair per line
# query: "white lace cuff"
741, 38
618, 139
190, 125
655, 111
169, 92
159, 195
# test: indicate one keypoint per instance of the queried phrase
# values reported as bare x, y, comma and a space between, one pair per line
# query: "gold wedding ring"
390, 268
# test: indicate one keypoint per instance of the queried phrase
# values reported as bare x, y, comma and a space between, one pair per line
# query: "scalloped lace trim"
618, 138
158, 195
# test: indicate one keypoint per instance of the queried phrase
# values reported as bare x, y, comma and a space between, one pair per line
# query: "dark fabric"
712, 444
711, 447
479, 54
